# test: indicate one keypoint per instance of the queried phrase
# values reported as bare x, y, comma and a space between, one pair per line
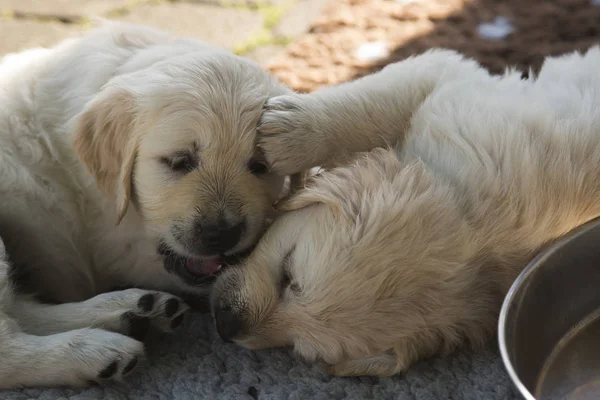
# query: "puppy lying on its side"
408, 252
127, 158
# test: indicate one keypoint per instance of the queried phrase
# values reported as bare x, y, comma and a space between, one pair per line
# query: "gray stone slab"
225, 27
87, 8
238, 3
20, 35
299, 18
263, 54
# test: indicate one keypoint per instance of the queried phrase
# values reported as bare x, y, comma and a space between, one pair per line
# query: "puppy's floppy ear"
106, 142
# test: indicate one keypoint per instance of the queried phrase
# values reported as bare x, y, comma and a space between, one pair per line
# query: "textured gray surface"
195, 364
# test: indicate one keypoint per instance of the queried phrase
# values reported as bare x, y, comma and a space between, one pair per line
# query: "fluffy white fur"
111, 146
407, 250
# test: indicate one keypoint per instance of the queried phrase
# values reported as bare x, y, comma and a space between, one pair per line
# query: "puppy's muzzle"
229, 324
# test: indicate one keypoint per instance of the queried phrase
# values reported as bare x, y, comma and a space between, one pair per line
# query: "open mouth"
197, 271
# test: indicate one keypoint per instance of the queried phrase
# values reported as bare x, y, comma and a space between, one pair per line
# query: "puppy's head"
175, 141
348, 269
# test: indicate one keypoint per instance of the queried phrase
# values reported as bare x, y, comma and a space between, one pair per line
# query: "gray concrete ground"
257, 29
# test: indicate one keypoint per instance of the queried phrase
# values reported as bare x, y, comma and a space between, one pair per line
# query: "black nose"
217, 238
229, 324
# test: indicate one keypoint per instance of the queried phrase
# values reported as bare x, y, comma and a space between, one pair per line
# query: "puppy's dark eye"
182, 162
258, 167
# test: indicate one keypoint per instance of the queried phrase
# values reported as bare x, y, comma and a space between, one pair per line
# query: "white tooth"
219, 267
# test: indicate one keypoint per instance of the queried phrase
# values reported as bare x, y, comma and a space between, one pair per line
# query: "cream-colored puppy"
127, 158
407, 251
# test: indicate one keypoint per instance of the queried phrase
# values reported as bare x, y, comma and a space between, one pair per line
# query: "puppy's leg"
128, 311
383, 365
405, 353
301, 131
71, 358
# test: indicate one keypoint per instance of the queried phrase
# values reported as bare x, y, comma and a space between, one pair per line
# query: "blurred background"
313, 43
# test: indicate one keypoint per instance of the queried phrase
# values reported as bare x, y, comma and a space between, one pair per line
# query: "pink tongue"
206, 266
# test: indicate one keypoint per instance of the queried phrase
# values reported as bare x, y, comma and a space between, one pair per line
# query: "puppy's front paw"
289, 135
98, 356
165, 310
133, 311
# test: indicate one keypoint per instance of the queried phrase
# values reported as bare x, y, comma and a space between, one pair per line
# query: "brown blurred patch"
326, 55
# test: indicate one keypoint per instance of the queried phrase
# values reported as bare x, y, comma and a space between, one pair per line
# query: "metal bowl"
549, 328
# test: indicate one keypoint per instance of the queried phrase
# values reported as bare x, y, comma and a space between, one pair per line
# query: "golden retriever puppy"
127, 159
408, 250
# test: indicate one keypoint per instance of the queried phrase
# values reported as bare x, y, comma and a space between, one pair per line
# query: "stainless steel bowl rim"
501, 328
508, 300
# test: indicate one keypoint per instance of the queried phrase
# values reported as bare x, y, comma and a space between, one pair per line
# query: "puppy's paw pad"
136, 326
109, 371
118, 369
176, 322
146, 302
130, 366
171, 307
133, 311
171, 314
100, 355
160, 304
164, 310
